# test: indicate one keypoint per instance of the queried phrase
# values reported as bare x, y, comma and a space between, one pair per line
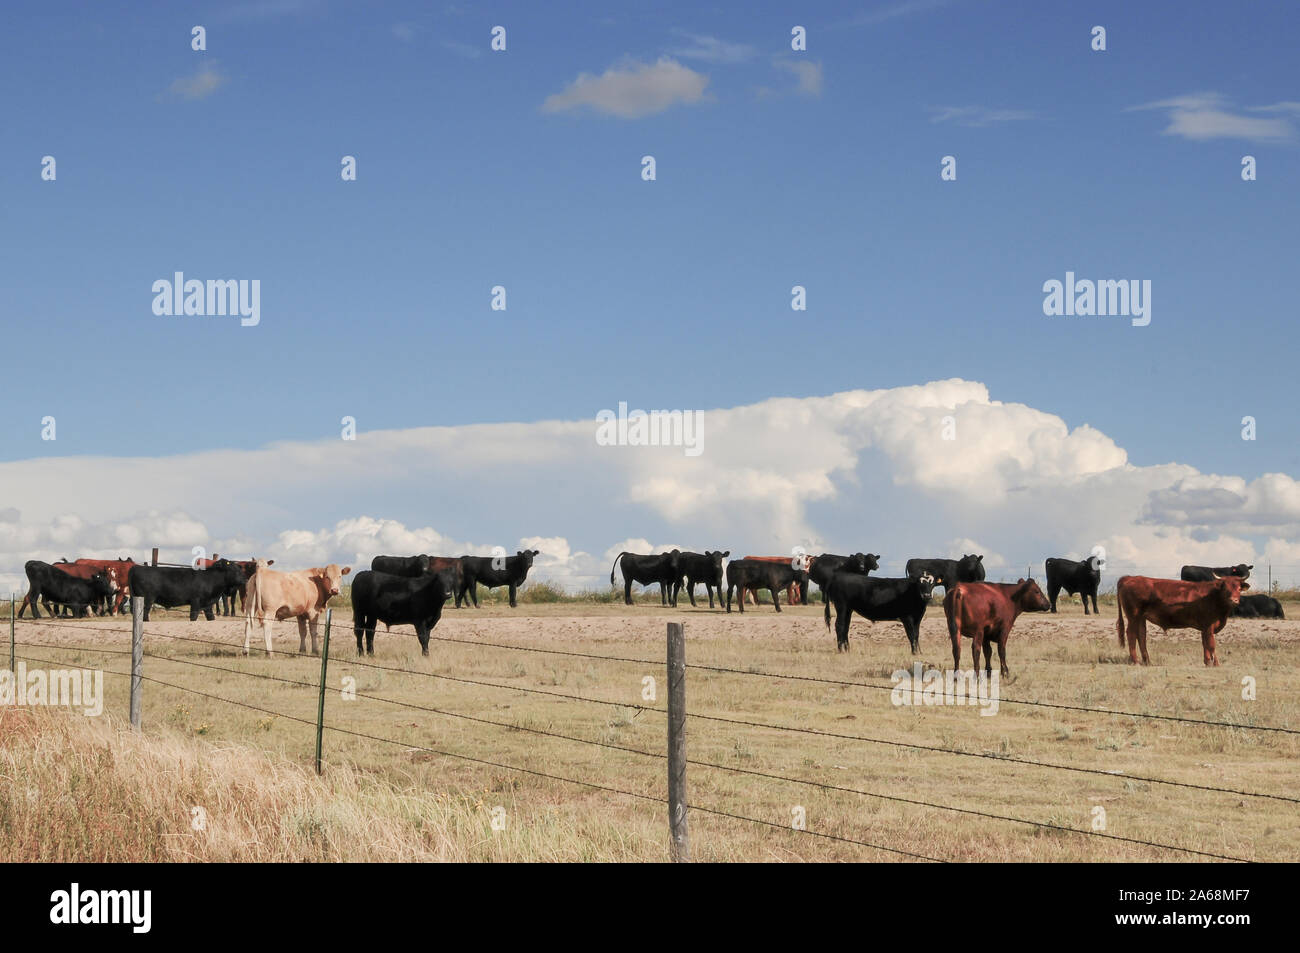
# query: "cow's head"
230, 569
331, 577
525, 557
103, 584
925, 584
1231, 587
1241, 569
715, 559
970, 568
872, 561
1094, 565
1029, 597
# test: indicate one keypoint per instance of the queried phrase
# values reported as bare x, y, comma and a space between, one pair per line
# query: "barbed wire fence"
673, 759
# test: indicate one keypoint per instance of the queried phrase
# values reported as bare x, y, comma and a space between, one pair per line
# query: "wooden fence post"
11, 632
137, 657
154, 559
320, 705
681, 844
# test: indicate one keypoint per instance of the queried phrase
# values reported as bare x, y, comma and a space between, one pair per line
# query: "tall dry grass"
83, 789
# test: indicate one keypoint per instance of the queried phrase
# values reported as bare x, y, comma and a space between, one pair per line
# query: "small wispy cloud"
710, 49
404, 32
206, 81
882, 13
462, 49
807, 73
979, 115
1205, 116
631, 91
264, 10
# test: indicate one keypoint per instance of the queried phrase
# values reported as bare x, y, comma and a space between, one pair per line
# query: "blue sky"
818, 168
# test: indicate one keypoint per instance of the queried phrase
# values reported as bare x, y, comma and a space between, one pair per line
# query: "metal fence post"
137, 657
320, 705
681, 844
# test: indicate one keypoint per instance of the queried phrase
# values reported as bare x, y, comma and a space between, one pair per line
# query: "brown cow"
792, 592
1172, 604
118, 570
984, 612
284, 595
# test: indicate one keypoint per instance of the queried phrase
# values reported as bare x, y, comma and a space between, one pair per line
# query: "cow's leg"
842, 619
1053, 592
1094, 604
954, 635
913, 629
627, 590
302, 635
988, 658
1142, 642
742, 598
266, 632
248, 631
1002, 655
1208, 648
422, 633
358, 629
208, 612
730, 589
370, 636
148, 604
776, 597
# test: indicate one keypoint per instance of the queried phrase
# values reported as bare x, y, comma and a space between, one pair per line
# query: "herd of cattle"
412, 590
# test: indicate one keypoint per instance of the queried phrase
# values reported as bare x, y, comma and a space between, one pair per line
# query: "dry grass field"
73, 787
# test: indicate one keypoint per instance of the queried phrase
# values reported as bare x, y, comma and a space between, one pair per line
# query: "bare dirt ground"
471, 721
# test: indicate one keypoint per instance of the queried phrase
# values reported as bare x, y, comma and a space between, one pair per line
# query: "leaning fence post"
320, 705
681, 847
137, 657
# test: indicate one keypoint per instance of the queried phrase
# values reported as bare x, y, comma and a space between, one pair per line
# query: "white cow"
283, 595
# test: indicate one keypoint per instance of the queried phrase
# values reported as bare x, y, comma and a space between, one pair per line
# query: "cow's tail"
1119, 619
952, 601
826, 612
615, 566
252, 597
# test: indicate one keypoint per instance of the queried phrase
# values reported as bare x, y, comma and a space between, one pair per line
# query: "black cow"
825, 566
948, 572
662, 568
1077, 577
1258, 607
395, 600
483, 569
59, 588
400, 565
450, 569
1209, 574
761, 574
699, 568
169, 586
879, 599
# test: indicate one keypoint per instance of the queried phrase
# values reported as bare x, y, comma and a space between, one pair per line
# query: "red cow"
984, 612
118, 570
792, 592
1172, 604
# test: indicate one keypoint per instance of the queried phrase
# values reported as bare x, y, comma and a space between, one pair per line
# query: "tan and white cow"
285, 595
